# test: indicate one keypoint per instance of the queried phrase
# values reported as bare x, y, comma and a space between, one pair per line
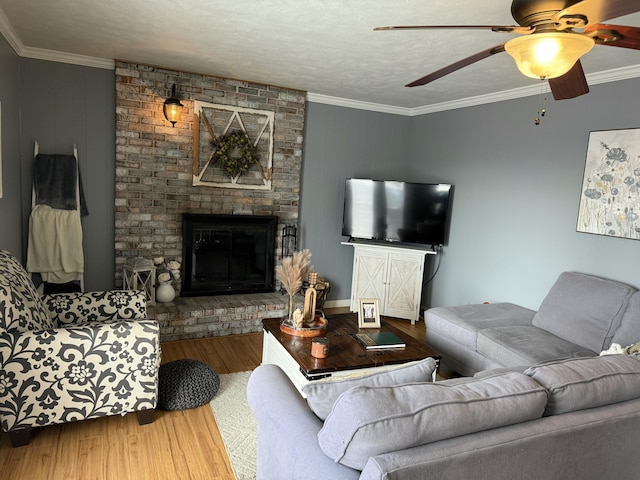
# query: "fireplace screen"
228, 254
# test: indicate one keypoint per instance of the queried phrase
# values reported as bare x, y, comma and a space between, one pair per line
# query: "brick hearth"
197, 317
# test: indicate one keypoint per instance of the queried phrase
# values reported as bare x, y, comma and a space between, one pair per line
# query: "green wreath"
234, 152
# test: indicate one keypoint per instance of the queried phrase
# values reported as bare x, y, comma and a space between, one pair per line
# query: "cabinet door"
368, 276
404, 286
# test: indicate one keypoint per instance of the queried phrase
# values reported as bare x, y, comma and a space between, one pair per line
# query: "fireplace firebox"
228, 254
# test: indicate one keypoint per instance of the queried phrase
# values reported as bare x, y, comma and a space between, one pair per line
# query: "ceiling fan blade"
457, 66
598, 11
493, 28
570, 85
605, 34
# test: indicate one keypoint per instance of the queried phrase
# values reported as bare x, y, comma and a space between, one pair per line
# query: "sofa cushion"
322, 394
368, 421
514, 346
500, 371
583, 383
463, 322
583, 309
628, 332
21, 308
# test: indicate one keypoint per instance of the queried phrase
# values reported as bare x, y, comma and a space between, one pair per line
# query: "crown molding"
72, 58
357, 104
10, 34
614, 75
6, 29
478, 100
607, 76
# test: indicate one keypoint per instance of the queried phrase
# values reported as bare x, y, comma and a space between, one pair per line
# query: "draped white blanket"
55, 244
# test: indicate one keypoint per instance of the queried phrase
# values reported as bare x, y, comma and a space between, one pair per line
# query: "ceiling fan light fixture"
549, 54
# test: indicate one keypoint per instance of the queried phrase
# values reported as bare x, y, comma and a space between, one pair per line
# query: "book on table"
379, 340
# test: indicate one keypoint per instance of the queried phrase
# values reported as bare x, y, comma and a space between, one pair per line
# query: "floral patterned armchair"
68, 357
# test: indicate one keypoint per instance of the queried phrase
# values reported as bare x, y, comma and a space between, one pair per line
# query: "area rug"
237, 424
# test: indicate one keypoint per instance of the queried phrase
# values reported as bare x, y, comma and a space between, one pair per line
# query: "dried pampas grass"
293, 271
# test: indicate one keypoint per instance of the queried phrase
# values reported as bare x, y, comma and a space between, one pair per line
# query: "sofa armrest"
76, 308
287, 431
65, 374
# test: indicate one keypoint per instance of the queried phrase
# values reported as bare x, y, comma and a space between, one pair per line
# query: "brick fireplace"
154, 176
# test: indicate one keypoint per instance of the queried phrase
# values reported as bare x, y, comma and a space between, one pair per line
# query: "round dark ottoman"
186, 384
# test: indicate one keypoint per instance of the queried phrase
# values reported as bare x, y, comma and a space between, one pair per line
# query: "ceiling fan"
554, 35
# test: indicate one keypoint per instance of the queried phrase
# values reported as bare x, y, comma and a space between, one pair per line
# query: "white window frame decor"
263, 124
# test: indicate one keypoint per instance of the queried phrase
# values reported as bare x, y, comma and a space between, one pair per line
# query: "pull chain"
542, 100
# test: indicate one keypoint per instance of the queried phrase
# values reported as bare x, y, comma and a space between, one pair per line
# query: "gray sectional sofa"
581, 316
570, 419
542, 403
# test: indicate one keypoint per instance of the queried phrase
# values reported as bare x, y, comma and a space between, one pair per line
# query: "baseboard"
337, 303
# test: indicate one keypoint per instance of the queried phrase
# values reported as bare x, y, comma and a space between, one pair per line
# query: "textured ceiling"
325, 47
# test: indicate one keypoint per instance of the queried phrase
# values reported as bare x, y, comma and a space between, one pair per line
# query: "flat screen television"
391, 211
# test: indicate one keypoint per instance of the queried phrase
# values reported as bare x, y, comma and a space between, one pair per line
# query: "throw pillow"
321, 395
582, 383
369, 421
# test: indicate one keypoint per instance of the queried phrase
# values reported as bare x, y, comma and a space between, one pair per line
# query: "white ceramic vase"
165, 292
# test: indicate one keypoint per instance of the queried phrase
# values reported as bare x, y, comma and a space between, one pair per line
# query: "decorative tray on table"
314, 328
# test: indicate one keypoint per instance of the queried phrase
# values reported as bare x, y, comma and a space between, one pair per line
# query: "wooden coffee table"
346, 355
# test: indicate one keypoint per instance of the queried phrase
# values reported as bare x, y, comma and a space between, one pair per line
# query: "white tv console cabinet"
392, 274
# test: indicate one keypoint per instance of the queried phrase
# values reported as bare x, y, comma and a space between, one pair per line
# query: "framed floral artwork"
610, 194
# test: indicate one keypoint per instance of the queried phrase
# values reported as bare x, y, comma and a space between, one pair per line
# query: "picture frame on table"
368, 313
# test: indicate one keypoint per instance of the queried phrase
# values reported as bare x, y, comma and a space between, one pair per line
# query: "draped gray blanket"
54, 182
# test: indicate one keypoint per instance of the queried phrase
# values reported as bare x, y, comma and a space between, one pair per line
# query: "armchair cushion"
76, 308
20, 306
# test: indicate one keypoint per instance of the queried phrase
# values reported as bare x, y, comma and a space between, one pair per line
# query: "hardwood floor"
177, 445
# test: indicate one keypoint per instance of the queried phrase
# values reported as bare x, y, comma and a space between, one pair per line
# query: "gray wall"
516, 196
340, 143
517, 188
10, 212
60, 105
63, 105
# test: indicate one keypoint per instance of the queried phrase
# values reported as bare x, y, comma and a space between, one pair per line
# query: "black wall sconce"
172, 107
